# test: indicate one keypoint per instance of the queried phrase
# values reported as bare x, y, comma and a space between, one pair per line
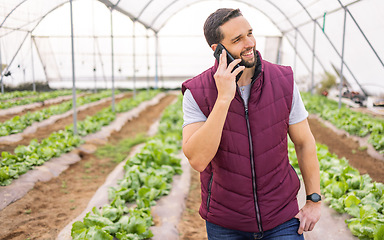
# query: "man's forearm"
309, 167
202, 145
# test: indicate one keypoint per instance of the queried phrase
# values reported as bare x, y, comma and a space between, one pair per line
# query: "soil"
50, 206
59, 125
344, 146
44, 105
192, 226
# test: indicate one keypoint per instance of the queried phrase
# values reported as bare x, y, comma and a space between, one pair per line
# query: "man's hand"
309, 215
225, 79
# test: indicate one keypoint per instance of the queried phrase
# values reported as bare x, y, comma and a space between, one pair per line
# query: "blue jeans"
285, 231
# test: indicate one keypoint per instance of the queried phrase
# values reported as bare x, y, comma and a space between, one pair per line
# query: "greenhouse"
91, 112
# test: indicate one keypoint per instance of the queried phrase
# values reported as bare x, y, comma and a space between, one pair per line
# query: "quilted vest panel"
226, 183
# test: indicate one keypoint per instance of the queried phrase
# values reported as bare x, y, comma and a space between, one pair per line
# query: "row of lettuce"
148, 176
13, 99
18, 123
344, 188
355, 123
24, 158
17, 94
349, 192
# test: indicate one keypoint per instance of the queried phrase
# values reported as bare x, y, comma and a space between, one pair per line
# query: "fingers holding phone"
225, 77
225, 61
235, 69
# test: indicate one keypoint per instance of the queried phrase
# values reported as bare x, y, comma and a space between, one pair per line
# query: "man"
235, 135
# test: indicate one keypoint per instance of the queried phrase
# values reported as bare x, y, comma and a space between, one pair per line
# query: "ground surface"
192, 227
50, 206
59, 125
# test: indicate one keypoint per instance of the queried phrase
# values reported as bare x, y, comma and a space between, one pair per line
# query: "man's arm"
202, 139
305, 147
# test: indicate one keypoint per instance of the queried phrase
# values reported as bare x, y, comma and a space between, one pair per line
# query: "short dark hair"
212, 25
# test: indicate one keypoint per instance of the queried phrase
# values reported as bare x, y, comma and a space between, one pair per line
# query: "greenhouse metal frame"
290, 18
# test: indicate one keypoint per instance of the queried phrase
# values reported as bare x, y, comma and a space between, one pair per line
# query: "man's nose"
249, 42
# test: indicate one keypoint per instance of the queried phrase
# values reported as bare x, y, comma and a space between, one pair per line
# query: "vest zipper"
253, 171
209, 192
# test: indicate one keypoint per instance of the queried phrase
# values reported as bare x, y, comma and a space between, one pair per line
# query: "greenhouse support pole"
147, 36
342, 59
362, 32
113, 65
156, 60
94, 47
278, 55
1, 72
73, 76
313, 57
295, 58
134, 57
334, 48
33, 66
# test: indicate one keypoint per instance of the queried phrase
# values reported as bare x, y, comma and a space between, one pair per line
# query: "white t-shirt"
193, 114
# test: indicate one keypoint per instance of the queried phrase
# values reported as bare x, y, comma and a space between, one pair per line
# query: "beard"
248, 64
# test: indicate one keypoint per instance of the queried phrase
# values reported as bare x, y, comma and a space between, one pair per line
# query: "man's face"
239, 41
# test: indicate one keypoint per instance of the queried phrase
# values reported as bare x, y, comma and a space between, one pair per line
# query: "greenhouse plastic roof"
365, 26
25, 15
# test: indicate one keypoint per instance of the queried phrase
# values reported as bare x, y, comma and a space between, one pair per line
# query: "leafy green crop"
355, 123
39, 98
35, 154
17, 94
19, 123
348, 191
148, 176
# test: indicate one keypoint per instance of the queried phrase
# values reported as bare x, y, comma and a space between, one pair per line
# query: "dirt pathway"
42, 133
343, 146
50, 206
192, 226
45, 104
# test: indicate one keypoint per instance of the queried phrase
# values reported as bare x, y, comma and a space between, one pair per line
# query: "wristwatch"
314, 197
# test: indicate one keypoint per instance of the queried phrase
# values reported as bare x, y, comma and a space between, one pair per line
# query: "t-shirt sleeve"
298, 112
191, 110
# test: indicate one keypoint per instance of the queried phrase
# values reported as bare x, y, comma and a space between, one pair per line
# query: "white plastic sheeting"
311, 31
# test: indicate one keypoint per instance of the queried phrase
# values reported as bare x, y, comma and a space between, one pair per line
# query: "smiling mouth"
248, 53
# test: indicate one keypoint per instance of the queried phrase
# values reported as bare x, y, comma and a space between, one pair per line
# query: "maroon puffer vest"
228, 182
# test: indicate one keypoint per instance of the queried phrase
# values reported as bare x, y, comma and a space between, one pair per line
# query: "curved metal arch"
6, 17
107, 3
144, 8
262, 12
258, 9
124, 12
53, 9
241, 1
162, 11
268, 1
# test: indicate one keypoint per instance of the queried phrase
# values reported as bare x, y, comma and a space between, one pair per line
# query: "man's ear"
214, 46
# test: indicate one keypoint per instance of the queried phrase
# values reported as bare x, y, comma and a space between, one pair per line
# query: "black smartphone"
217, 53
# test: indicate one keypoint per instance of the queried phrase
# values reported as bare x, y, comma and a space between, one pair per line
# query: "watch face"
314, 197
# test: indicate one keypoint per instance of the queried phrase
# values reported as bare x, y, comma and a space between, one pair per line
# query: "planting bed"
50, 206
192, 226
